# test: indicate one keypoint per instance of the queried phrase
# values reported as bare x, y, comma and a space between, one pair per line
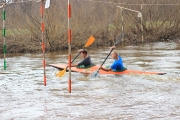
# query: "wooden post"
69, 46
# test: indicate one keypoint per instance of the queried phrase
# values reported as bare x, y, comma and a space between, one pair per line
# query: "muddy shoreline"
30, 48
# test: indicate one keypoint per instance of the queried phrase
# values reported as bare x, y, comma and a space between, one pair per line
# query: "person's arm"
105, 69
74, 65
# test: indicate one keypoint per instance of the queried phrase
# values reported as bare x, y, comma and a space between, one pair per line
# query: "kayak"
90, 70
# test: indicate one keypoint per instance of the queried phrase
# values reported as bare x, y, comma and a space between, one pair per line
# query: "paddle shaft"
111, 51
105, 59
75, 57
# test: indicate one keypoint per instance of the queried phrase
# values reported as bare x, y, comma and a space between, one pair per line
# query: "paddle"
88, 43
96, 73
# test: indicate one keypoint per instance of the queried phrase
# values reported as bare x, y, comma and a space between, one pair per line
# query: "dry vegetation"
101, 19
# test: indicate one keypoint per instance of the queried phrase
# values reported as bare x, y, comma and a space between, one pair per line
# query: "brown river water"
124, 97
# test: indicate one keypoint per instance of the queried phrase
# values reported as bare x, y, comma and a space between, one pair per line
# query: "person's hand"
113, 47
80, 50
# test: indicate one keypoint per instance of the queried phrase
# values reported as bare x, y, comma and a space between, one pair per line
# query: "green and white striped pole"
4, 33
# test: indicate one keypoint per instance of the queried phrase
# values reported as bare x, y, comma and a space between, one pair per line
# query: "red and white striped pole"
69, 45
43, 44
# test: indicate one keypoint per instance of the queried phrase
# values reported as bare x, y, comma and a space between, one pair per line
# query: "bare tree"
161, 22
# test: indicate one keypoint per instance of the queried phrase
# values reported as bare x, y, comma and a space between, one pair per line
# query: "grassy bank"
100, 19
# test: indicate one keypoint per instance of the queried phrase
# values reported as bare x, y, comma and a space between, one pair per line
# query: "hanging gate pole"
142, 29
43, 43
69, 46
122, 20
4, 33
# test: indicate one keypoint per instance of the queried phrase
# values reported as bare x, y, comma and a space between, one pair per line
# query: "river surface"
125, 97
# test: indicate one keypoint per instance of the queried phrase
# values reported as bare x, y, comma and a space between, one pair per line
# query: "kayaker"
86, 62
118, 63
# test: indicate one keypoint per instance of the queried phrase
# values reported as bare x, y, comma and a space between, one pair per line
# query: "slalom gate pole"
4, 34
69, 46
43, 43
142, 29
122, 20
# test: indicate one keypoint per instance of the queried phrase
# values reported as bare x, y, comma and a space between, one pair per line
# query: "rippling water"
23, 95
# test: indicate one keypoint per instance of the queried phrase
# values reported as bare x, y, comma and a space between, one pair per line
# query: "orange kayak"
94, 68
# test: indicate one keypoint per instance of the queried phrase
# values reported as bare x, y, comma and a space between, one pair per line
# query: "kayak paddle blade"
90, 41
95, 74
61, 73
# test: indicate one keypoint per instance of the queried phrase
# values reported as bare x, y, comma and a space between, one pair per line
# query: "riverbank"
102, 20
35, 47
